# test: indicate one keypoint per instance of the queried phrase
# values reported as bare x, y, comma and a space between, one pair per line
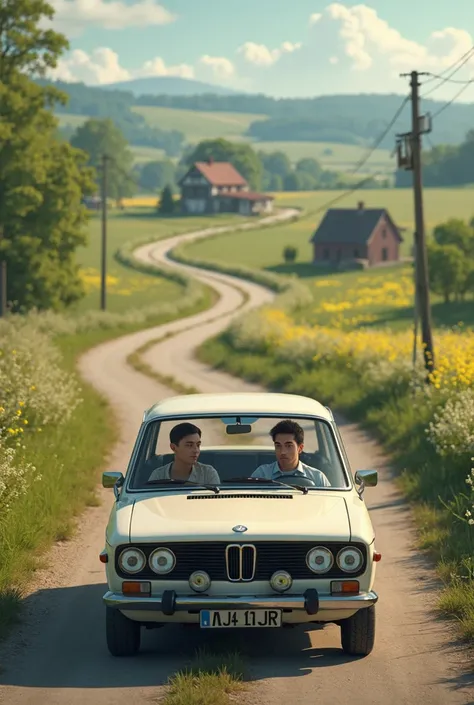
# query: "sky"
283, 48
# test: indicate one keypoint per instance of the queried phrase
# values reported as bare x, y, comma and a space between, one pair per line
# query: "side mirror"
365, 478
111, 479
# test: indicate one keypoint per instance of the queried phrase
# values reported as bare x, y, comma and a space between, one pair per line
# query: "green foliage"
102, 137
154, 176
451, 260
42, 181
167, 203
290, 253
26, 46
445, 165
241, 156
311, 167
117, 105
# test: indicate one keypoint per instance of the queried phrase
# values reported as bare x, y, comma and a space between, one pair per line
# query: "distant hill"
167, 85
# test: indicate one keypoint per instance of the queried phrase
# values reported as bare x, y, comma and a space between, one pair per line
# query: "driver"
185, 442
288, 438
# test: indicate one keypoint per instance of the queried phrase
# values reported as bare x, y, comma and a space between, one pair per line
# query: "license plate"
226, 619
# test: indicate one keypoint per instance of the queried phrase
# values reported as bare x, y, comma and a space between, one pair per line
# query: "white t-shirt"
203, 474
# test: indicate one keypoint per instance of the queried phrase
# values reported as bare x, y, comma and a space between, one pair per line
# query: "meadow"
128, 288
265, 249
197, 126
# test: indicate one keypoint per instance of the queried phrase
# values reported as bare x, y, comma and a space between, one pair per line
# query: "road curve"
58, 656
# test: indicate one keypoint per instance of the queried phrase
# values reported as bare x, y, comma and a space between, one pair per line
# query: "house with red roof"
217, 187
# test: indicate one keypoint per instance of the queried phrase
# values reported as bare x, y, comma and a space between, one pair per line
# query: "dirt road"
59, 655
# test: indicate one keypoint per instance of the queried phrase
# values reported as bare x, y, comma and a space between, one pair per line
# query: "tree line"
445, 165
117, 105
349, 119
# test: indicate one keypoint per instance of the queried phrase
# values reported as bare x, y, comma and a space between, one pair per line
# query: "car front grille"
241, 561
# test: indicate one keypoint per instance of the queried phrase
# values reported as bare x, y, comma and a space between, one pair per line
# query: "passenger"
185, 442
288, 438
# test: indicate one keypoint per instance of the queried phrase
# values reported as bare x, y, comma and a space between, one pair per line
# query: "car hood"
188, 517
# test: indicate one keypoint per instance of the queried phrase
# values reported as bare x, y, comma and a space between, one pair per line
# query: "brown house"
217, 187
356, 235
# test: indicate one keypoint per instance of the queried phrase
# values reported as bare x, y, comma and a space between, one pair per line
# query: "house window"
384, 254
326, 254
384, 233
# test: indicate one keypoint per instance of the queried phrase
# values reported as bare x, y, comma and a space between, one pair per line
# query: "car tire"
123, 635
358, 632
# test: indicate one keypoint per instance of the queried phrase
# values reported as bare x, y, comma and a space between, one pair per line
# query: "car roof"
243, 403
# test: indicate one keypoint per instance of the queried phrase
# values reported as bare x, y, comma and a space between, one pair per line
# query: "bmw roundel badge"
239, 529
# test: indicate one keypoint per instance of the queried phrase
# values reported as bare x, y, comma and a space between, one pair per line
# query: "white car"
244, 553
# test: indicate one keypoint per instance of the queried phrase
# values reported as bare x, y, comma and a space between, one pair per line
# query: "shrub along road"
59, 654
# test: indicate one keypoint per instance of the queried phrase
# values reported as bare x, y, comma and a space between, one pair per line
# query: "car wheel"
358, 632
123, 635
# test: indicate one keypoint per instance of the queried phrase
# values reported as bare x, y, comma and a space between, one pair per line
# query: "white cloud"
220, 67
367, 38
314, 18
261, 55
103, 66
74, 16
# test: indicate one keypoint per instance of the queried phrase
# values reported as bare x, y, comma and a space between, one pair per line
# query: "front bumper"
309, 603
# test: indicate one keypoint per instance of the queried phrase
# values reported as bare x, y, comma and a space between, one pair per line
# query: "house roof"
350, 225
220, 173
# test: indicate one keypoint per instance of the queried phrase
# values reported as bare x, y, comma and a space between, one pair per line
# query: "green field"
197, 126
337, 157
127, 288
264, 250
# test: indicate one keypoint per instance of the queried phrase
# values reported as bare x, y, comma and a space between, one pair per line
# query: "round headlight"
162, 561
199, 581
132, 560
319, 559
350, 559
281, 581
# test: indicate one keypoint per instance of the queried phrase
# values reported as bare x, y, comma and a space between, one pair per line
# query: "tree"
276, 163
26, 47
449, 270
241, 156
167, 204
154, 176
310, 166
456, 232
290, 253
42, 180
99, 137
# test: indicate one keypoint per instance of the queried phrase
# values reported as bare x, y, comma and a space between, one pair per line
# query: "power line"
445, 79
379, 139
452, 80
343, 195
450, 102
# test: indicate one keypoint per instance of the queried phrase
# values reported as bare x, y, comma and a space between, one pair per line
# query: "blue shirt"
272, 472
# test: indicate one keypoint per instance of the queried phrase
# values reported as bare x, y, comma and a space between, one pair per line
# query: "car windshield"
235, 447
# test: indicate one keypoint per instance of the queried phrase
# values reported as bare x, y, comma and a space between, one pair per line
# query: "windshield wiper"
171, 481
263, 480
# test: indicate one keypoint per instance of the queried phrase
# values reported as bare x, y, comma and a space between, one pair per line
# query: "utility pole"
3, 283
103, 276
409, 158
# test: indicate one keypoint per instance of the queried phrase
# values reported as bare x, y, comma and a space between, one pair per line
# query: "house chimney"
361, 205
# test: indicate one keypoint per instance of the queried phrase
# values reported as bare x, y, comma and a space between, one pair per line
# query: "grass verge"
211, 679
70, 458
398, 423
